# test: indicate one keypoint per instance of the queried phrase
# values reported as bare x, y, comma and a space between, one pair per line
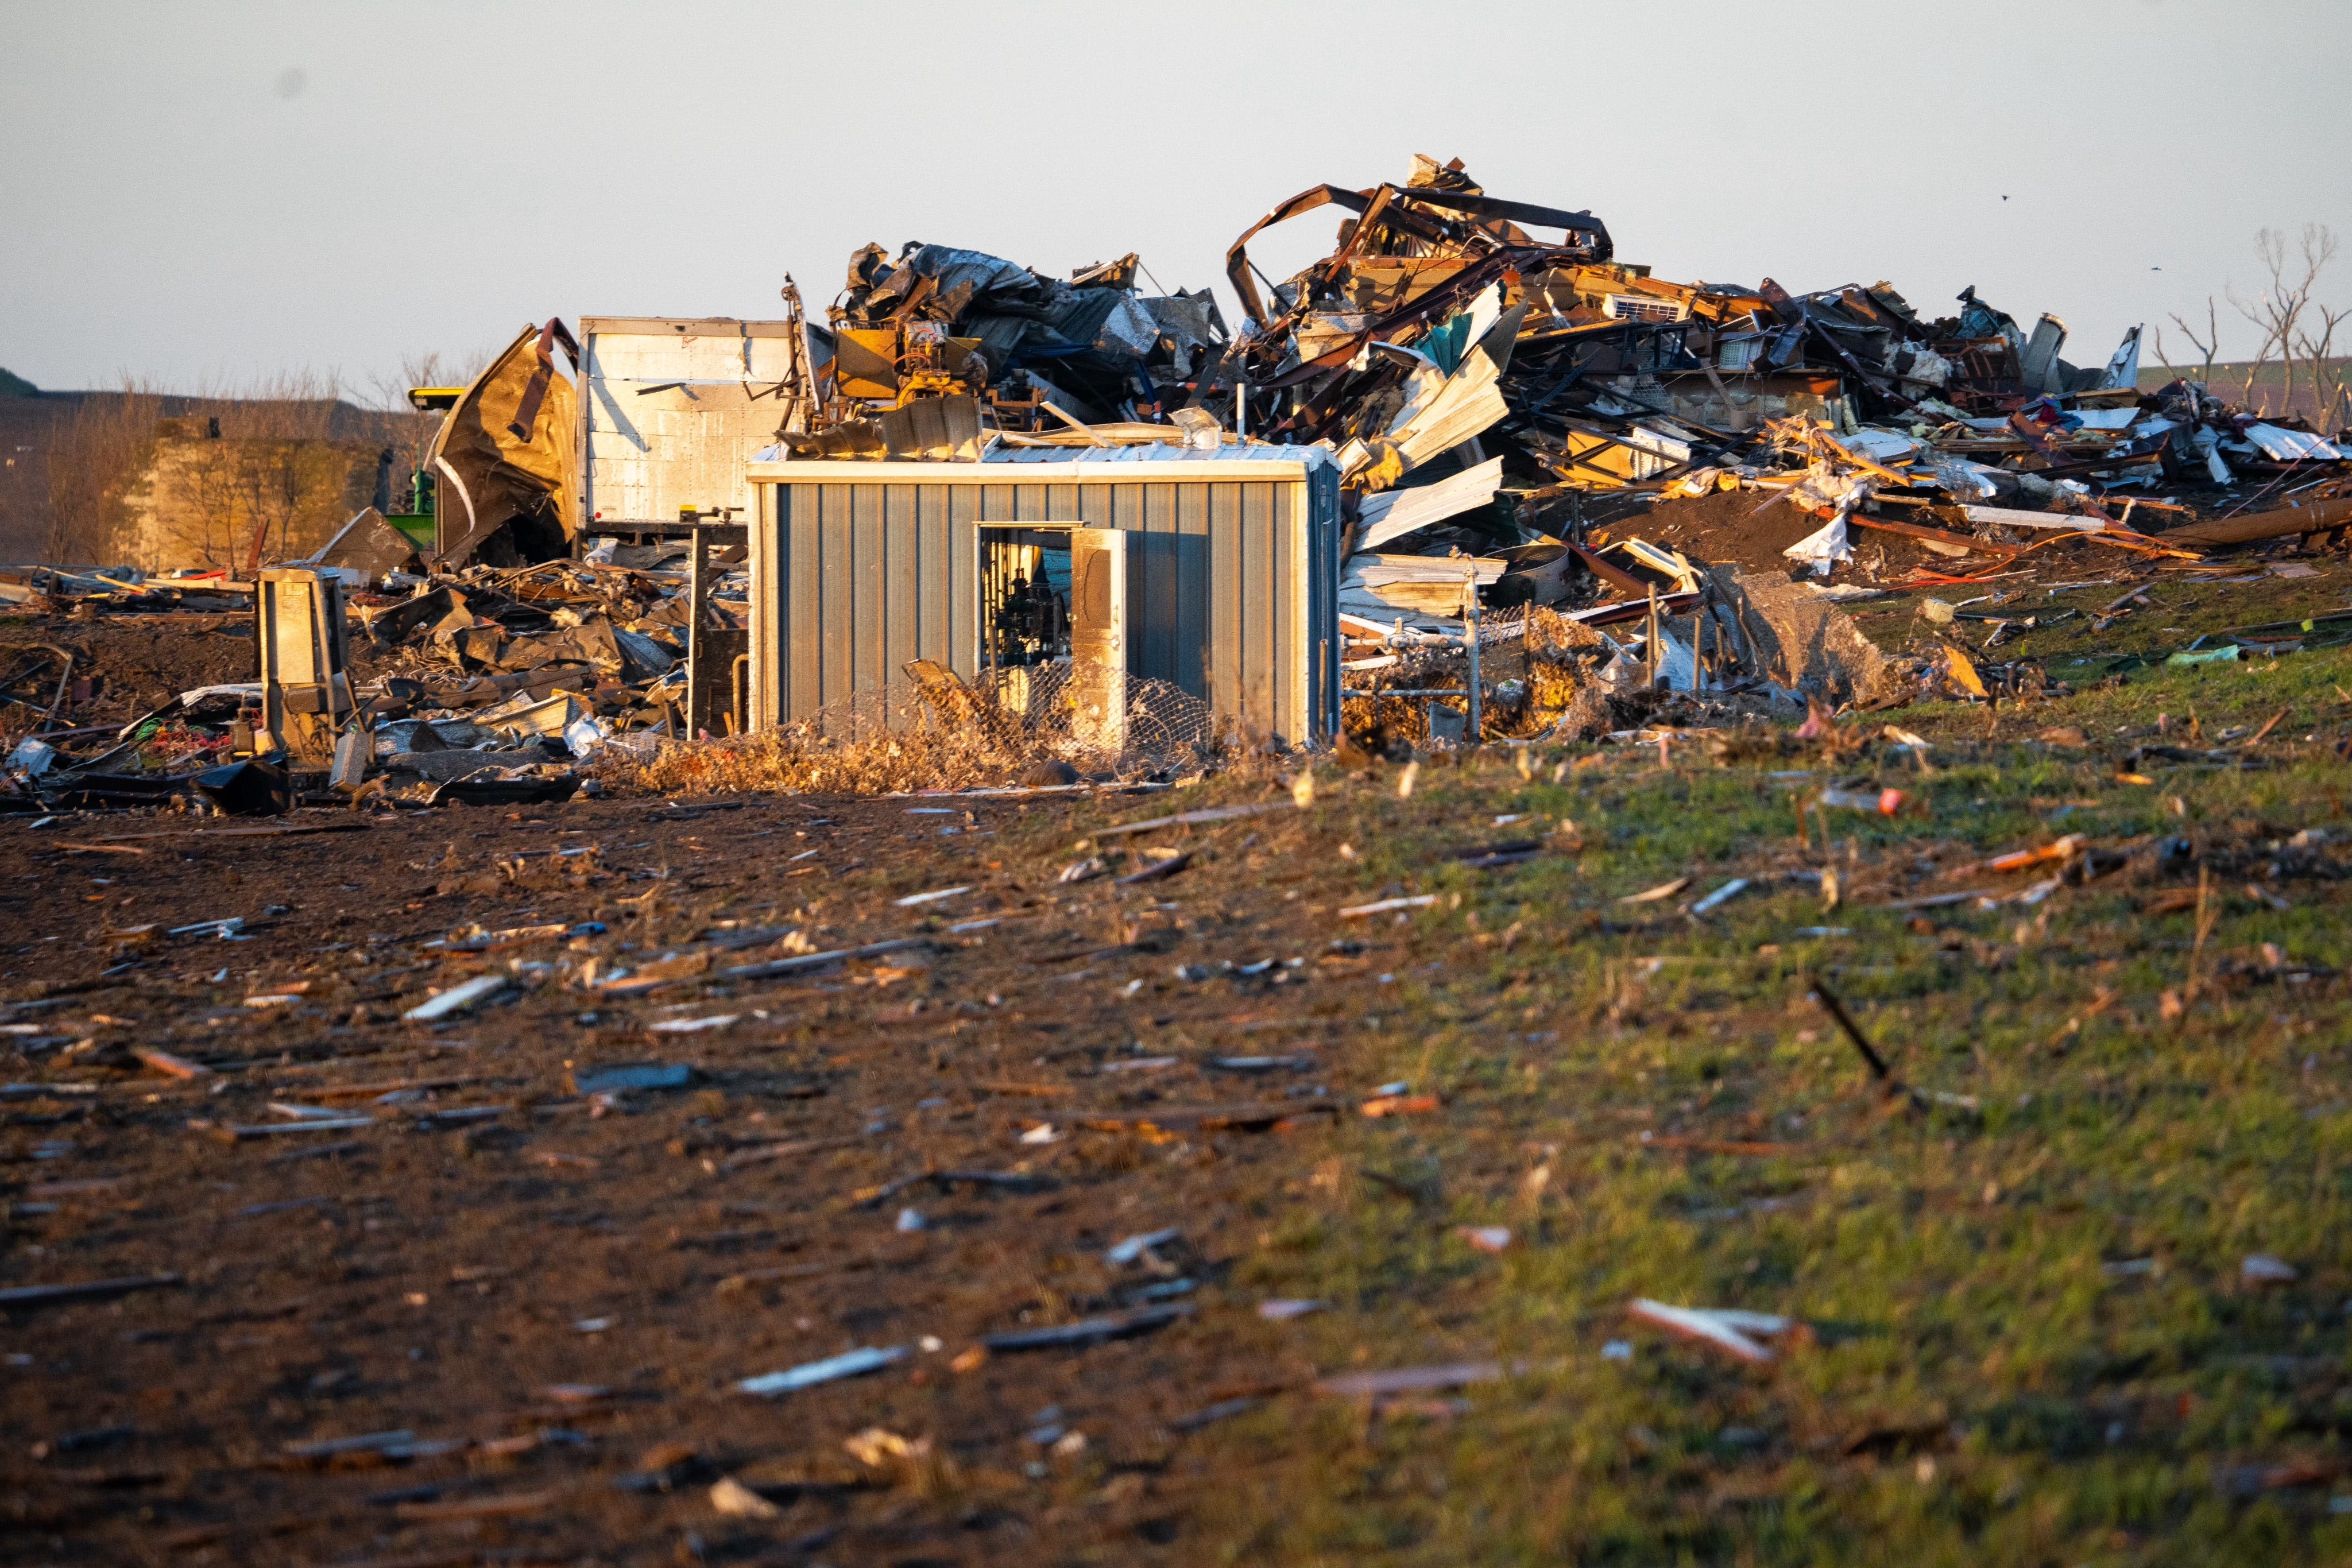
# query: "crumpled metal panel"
1127, 328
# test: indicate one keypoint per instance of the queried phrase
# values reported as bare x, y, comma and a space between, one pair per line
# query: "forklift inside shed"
1025, 596
1055, 594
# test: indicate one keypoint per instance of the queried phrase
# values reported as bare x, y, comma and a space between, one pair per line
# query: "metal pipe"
1650, 644
1470, 641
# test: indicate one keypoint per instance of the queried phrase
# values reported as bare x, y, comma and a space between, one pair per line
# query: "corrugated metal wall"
1232, 585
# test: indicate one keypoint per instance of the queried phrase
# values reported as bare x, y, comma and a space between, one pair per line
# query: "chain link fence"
934, 731
1094, 719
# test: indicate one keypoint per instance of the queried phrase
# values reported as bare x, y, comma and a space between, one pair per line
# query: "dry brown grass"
927, 754
90, 460
97, 450
923, 750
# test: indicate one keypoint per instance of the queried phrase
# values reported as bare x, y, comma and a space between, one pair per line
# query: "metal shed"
1231, 580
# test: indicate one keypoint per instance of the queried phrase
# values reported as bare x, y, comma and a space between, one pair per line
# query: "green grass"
2181, 609
1975, 1388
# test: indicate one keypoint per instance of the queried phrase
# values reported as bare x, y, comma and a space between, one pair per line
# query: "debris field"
950, 1176
1751, 973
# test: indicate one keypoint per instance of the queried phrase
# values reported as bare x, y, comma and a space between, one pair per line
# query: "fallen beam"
2315, 518
1933, 536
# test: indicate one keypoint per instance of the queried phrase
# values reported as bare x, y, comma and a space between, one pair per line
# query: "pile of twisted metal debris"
1474, 375
1522, 423
1520, 418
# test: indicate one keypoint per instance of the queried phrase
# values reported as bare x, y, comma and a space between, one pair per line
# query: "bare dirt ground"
135, 664
556, 1297
2080, 1298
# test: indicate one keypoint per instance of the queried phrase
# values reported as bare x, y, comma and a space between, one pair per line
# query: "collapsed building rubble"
1519, 420
483, 686
1562, 485
1502, 404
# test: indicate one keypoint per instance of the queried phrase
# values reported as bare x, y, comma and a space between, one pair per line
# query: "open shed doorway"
1053, 624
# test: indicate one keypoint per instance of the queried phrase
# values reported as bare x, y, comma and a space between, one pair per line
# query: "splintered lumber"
170, 1065
1090, 1331
1186, 819
1934, 535
793, 966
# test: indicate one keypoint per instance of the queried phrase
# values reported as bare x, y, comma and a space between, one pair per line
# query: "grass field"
2028, 1334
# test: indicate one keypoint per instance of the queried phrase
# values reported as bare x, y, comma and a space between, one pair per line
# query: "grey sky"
208, 193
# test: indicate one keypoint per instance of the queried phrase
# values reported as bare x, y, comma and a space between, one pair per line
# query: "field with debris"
801, 1034
1597, 1152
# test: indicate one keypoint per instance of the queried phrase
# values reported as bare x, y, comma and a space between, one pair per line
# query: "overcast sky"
207, 193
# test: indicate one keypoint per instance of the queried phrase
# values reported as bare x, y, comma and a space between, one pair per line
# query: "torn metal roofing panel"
1312, 457
1393, 514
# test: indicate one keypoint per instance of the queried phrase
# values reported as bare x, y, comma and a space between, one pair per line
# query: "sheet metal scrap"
1484, 369
917, 345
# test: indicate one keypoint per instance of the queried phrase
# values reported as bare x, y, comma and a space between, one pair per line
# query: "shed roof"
1155, 461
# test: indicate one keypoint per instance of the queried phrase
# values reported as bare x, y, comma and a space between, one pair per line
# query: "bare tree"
92, 461
2328, 388
2207, 345
408, 430
2279, 310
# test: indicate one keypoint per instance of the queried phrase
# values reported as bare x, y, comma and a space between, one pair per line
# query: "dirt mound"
139, 665
1738, 527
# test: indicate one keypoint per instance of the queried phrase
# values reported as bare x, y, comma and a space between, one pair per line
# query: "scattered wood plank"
1188, 818
793, 966
1387, 1382
1091, 1331
1201, 1118
170, 1065
374, 1091
238, 1135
